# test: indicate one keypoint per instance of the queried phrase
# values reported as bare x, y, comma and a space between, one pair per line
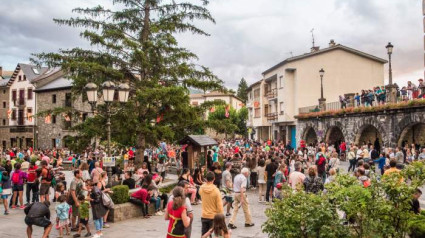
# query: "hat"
279, 186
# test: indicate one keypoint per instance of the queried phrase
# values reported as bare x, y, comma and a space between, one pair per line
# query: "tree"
235, 123
242, 88
135, 43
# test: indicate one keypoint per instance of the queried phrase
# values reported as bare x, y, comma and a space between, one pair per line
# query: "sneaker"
22, 207
88, 235
106, 225
160, 213
6, 212
76, 235
13, 207
74, 229
231, 226
249, 225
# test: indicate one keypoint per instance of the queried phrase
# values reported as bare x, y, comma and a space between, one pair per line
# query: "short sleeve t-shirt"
240, 182
84, 210
226, 176
77, 186
271, 169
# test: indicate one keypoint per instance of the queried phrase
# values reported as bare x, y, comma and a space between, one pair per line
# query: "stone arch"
334, 135
335, 126
367, 130
410, 129
309, 134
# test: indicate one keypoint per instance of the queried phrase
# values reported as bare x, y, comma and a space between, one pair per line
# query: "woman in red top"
176, 213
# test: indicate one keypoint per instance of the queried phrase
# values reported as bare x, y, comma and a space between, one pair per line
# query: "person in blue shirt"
381, 162
357, 98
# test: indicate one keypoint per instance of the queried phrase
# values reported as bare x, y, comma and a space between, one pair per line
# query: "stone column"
350, 99
391, 93
322, 104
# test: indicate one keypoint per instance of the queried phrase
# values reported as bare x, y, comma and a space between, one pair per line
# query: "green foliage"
135, 43
417, 226
167, 189
234, 124
303, 215
121, 194
242, 90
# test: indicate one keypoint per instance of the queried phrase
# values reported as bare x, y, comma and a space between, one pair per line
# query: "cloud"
249, 36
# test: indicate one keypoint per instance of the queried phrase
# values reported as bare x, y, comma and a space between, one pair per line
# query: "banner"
109, 161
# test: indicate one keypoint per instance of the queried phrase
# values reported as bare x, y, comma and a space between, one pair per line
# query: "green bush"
167, 189
121, 194
417, 226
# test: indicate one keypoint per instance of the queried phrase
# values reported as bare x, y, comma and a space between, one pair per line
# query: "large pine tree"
242, 87
135, 43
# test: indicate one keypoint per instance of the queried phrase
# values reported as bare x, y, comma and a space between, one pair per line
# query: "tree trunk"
140, 149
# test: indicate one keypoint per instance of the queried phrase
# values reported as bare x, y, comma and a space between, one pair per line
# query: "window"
14, 114
19, 78
85, 116
266, 109
54, 119
68, 100
281, 108
4, 91
257, 112
25, 77
257, 93
14, 95
4, 122
29, 114
53, 143
54, 98
4, 104
281, 81
29, 97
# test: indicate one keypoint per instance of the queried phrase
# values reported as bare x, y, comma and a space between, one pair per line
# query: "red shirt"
142, 195
175, 227
32, 174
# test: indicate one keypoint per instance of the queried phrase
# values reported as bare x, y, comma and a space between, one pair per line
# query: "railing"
19, 102
271, 116
272, 93
336, 106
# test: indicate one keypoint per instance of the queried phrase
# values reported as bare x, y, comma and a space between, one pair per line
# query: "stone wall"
59, 130
390, 127
4, 130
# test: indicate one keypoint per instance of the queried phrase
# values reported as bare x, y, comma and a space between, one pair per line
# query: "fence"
335, 106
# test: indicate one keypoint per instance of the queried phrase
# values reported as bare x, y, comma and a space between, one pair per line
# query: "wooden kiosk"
196, 146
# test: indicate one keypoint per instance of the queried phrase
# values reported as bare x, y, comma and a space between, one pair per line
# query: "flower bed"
352, 110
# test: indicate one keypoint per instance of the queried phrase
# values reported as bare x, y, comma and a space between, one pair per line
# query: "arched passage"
334, 136
310, 136
369, 135
412, 134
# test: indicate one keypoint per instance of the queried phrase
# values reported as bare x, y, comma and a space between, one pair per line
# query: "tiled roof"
199, 140
3, 82
59, 83
31, 72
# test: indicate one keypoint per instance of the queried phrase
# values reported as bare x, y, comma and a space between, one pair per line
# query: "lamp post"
108, 92
390, 71
321, 73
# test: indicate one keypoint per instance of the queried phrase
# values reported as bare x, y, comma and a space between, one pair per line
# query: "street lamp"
108, 91
390, 51
321, 73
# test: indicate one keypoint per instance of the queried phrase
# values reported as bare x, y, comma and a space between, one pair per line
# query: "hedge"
121, 194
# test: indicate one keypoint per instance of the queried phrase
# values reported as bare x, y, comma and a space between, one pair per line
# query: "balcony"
271, 116
19, 102
272, 94
21, 129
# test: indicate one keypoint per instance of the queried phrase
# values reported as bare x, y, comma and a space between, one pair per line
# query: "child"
84, 214
219, 228
62, 212
7, 190
59, 191
278, 191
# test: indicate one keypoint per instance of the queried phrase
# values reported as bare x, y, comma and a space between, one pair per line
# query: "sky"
248, 37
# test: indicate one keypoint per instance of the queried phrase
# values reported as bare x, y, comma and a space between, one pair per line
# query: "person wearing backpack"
32, 183
46, 181
6, 185
18, 177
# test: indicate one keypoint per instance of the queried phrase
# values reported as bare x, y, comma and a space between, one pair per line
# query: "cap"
279, 185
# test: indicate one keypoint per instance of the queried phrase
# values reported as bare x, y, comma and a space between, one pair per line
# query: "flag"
48, 119
67, 118
227, 111
29, 116
212, 109
9, 113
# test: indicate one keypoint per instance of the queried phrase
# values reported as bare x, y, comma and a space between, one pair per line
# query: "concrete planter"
128, 210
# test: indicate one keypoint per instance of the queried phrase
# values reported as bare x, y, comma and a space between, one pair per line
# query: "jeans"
32, 187
98, 224
254, 179
138, 202
268, 189
206, 225
353, 163
157, 201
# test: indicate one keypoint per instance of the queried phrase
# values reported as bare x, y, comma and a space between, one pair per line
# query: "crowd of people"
378, 95
219, 183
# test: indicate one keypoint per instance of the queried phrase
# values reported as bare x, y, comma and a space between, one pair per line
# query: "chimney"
332, 43
315, 48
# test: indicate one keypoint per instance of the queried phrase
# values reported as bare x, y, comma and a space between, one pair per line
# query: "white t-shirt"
260, 172
296, 178
239, 183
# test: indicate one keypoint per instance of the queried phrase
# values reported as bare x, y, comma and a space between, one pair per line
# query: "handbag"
107, 200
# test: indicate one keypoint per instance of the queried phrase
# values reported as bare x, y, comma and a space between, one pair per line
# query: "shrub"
417, 226
121, 194
167, 189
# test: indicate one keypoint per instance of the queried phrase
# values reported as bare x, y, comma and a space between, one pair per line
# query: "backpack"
49, 177
107, 201
15, 178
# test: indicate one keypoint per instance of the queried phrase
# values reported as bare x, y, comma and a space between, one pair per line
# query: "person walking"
98, 209
226, 184
177, 215
189, 210
239, 187
211, 202
270, 171
38, 214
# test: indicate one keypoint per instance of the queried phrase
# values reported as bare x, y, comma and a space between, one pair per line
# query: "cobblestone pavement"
13, 225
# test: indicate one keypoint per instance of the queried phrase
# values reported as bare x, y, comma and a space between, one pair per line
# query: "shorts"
75, 212
84, 221
18, 187
38, 221
4, 196
228, 198
44, 189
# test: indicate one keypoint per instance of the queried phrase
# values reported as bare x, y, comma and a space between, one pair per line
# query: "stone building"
4, 107
57, 94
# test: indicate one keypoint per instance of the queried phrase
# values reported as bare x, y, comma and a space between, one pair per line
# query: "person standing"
98, 209
211, 202
226, 183
176, 213
261, 180
96, 172
46, 181
189, 210
18, 177
270, 171
239, 187
32, 184
38, 214
75, 189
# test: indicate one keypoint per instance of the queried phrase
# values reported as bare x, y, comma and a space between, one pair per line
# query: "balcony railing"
332, 106
271, 116
272, 94
19, 102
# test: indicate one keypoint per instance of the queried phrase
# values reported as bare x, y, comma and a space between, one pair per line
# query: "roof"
336, 47
6, 74
199, 140
57, 84
252, 85
30, 71
3, 82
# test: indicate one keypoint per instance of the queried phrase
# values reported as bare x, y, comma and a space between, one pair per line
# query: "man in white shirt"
239, 188
296, 178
